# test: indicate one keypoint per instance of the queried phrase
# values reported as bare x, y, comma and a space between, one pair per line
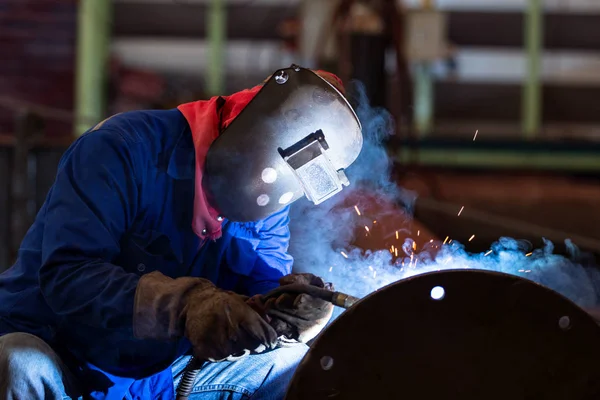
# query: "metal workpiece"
455, 334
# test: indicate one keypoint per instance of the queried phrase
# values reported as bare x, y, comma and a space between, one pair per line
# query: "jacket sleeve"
273, 260
92, 204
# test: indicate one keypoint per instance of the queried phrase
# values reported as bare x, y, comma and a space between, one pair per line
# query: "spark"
411, 260
431, 241
396, 252
367, 228
344, 254
414, 245
375, 221
392, 248
488, 253
371, 268
374, 274
450, 241
461, 210
447, 261
416, 260
330, 269
471, 238
528, 254
521, 270
396, 234
476, 132
418, 232
528, 271
357, 210
445, 240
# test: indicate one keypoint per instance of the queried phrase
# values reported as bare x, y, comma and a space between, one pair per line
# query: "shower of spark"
319, 234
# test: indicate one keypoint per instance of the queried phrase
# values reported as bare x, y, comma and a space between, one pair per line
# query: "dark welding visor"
294, 139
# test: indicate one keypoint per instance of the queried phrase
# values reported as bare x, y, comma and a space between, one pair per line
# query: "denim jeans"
261, 377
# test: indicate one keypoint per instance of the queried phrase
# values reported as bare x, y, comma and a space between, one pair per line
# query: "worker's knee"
276, 369
258, 377
27, 363
19, 352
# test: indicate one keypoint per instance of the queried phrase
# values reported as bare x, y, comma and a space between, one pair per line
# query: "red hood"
207, 118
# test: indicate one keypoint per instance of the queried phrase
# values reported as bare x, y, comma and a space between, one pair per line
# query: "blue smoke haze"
321, 233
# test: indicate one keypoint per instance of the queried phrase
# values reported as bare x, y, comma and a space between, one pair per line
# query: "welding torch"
184, 389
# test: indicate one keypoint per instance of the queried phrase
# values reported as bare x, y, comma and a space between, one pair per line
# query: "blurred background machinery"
494, 102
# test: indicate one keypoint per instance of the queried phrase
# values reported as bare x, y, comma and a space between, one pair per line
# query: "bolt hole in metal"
438, 293
326, 363
564, 323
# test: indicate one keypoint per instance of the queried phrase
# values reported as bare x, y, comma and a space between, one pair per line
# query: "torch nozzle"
336, 298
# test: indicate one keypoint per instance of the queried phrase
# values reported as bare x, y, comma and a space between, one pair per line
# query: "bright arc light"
438, 293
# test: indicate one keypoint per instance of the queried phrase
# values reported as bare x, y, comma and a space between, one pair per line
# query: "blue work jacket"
122, 206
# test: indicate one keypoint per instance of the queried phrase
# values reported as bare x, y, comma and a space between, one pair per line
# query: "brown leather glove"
217, 323
299, 317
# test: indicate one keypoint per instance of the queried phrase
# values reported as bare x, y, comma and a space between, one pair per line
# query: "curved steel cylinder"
458, 334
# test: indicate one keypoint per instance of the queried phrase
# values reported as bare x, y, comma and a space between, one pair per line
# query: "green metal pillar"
423, 98
532, 88
216, 35
93, 49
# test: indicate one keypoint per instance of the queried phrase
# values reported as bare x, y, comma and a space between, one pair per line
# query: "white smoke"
321, 235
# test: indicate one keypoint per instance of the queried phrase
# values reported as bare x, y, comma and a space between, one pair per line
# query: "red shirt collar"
206, 119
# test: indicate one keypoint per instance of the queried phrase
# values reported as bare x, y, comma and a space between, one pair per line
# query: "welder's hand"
299, 317
218, 324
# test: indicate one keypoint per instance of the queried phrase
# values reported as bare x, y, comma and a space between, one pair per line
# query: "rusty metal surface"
492, 336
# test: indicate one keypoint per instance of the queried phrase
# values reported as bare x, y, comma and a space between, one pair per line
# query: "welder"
160, 230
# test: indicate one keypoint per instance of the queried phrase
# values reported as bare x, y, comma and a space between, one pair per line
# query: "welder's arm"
271, 260
92, 203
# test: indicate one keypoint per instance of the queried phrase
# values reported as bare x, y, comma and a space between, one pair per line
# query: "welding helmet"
294, 139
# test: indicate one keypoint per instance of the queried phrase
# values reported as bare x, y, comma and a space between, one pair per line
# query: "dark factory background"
495, 102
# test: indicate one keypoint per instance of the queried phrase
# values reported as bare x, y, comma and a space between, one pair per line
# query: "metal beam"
562, 30
93, 46
217, 30
501, 102
423, 98
505, 159
532, 87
